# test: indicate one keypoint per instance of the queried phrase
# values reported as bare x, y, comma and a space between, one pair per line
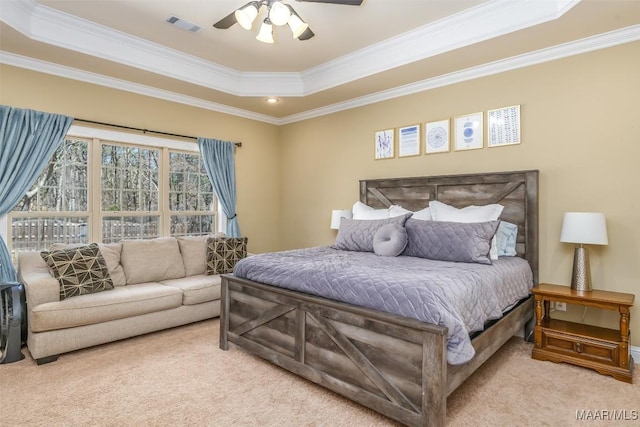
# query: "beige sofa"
158, 284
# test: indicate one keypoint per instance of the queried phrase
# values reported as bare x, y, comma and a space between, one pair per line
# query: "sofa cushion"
110, 252
80, 270
119, 303
194, 253
223, 253
196, 289
151, 260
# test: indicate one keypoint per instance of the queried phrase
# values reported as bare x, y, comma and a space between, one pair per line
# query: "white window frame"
106, 136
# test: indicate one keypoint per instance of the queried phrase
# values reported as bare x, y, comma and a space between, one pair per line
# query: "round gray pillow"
390, 240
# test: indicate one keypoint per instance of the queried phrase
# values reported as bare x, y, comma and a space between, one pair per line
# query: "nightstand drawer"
603, 352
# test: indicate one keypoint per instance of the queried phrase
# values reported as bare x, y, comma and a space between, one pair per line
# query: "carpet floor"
180, 377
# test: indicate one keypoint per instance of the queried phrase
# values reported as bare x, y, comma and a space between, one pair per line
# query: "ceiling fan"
279, 14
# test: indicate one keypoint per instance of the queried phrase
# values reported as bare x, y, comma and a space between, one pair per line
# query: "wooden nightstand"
605, 350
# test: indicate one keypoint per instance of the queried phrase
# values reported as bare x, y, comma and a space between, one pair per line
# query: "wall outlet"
560, 306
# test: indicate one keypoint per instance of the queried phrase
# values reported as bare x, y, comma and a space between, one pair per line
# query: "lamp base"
581, 277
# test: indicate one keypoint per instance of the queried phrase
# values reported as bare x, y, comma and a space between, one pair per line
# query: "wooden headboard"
516, 191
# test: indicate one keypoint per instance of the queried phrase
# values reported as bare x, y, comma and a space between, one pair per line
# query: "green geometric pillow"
80, 270
223, 253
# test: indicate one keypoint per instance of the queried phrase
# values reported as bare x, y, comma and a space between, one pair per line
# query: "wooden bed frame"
394, 365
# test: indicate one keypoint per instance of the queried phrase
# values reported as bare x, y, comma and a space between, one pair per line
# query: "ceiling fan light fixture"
266, 32
246, 15
297, 25
279, 14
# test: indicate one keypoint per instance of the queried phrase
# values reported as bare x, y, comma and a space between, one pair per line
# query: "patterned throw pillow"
223, 253
80, 270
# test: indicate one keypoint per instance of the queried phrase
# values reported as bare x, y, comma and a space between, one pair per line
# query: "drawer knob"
578, 347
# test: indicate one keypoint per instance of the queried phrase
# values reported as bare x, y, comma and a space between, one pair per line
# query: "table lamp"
337, 215
583, 228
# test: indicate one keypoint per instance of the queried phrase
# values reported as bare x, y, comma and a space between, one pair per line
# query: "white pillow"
362, 211
443, 212
422, 214
397, 210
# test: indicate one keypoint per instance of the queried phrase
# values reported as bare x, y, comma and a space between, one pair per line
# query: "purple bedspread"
460, 296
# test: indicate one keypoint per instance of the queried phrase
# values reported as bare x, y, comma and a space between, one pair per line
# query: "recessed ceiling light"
272, 100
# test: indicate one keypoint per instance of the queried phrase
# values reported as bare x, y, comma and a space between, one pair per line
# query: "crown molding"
602, 41
110, 82
483, 22
60, 29
589, 44
487, 20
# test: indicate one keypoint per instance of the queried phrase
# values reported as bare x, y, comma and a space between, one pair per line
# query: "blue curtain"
219, 163
28, 139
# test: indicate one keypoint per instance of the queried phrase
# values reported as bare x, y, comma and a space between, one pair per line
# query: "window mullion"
95, 189
163, 202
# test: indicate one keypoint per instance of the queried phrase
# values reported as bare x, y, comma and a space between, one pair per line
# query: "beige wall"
257, 162
579, 128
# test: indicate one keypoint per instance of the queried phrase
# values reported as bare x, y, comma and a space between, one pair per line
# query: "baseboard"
635, 352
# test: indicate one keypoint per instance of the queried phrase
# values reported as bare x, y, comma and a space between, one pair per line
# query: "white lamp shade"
584, 228
297, 25
337, 215
266, 32
246, 16
279, 14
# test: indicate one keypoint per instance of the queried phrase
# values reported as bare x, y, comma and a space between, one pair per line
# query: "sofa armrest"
39, 285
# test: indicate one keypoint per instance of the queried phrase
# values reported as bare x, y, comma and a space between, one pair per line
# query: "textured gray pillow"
357, 235
390, 240
450, 241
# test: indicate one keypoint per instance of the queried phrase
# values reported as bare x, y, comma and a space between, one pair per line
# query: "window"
130, 193
55, 209
97, 190
191, 198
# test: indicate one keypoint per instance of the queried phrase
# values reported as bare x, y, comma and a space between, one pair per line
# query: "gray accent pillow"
450, 241
390, 240
81, 270
357, 234
507, 237
111, 253
223, 253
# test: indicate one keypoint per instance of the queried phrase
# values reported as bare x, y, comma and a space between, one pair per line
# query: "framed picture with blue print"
469, 132
384, 144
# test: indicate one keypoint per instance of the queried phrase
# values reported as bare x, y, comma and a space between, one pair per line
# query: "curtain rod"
238, 144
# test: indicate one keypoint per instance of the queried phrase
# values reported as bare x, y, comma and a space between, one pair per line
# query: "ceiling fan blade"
306, 35
227, 21
344, 2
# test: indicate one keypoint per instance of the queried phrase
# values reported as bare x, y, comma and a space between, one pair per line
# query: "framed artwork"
384, 144
409, 141
503, 126
437, 138
469, 132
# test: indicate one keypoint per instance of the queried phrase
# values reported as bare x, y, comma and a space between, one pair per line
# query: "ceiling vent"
182, 24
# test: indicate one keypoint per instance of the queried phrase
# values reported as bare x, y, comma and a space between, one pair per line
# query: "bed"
393, 364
